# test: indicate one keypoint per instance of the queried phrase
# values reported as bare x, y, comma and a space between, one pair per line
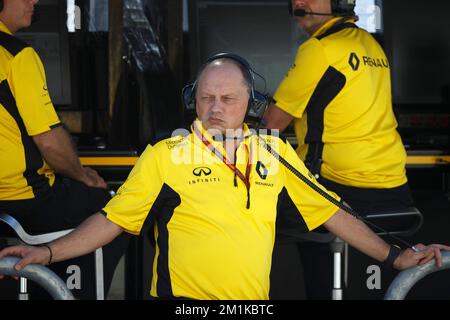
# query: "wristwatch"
394, 252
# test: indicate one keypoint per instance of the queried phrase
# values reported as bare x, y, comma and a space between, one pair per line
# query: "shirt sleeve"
29, 87
131, 206
313, 207
296, 89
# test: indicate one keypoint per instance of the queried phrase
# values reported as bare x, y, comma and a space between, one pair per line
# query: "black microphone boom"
302, 13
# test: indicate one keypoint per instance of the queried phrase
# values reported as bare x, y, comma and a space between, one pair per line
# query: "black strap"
332, 82
11, 43
329, 86
313, 159
338, 26
394, 252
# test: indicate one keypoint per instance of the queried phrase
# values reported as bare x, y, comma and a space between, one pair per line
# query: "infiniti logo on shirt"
202, 171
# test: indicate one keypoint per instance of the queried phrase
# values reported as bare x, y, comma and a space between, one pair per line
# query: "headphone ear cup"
343, 7
257, 106
188, 94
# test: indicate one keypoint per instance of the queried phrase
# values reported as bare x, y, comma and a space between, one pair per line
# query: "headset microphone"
302, 13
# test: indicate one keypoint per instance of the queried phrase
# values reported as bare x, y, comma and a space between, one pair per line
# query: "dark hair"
343, 7
1, 5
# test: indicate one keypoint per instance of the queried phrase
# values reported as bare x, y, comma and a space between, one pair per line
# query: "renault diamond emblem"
262, 170
354, 61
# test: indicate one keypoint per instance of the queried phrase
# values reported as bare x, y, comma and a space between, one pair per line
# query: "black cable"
324, 194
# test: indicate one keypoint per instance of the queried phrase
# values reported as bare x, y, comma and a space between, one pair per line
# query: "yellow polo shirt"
214, 240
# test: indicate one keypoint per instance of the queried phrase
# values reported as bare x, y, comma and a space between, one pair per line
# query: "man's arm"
276, 118
93, 233
57, 148
362, 238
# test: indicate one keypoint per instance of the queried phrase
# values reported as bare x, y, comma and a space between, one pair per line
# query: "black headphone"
258, 101
341, 8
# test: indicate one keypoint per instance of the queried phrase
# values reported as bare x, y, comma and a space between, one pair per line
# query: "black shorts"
368, 200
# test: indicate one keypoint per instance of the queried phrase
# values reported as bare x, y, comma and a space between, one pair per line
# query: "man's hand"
408, 258
91, 178
29, 255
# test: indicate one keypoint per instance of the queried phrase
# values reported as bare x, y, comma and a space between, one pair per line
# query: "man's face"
222, 97
310, 23
17, 14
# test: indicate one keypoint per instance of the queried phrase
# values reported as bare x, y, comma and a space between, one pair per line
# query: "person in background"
42, 183
338, 96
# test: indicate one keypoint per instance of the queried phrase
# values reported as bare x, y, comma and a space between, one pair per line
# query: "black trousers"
65, 206
317, 258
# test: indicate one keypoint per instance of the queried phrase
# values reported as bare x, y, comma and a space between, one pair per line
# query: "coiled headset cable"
341, 205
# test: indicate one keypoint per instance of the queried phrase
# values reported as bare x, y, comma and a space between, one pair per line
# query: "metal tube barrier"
337, 247
39, 274
406, 279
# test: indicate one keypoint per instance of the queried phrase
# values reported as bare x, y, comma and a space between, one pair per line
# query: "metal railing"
406, 279
16, 228
39, 274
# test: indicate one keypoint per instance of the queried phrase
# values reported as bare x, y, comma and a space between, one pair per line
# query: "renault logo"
354, 61
202, 171
262, 170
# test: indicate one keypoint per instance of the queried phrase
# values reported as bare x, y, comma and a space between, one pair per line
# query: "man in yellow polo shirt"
42, 183
338, 94
212, 194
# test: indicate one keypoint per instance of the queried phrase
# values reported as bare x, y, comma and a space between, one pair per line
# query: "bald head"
224, 63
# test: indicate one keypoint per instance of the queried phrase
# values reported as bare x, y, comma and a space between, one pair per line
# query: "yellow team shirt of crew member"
214, 236
25, 110
339, 92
